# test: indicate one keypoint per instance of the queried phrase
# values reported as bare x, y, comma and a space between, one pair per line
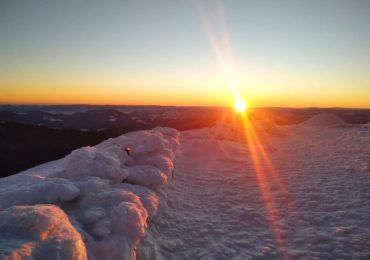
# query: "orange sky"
300, 54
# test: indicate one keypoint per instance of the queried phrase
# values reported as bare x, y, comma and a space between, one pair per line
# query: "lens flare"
240, 105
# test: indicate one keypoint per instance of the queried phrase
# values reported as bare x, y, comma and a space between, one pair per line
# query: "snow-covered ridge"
325, 120
93, 203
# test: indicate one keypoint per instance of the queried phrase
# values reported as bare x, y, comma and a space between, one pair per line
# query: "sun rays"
266, 174
221, 47
240, 105
263, 170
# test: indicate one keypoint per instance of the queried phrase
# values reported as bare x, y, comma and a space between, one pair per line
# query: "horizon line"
157, 105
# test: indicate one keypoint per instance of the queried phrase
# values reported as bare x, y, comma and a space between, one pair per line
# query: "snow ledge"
93, 203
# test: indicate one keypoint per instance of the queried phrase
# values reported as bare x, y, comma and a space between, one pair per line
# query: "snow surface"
308, 200
325, 120
112, 119
52, 119
295, 192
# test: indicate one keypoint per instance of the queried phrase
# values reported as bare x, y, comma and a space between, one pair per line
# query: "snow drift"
325, 120
101, 199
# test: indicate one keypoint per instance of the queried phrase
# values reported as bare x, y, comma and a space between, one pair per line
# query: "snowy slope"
287, 193
325, 120
102, 199
307, 199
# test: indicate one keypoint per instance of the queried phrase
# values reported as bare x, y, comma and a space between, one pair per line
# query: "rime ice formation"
100, 195
39, 232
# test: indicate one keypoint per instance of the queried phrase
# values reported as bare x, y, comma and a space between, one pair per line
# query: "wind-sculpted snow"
297, 193
103, 197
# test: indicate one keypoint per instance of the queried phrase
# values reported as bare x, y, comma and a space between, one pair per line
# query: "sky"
177, 52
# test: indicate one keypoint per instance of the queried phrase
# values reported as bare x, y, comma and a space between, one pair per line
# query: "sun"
240, 105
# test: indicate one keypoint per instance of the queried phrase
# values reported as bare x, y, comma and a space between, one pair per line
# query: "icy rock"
102, 228
117, 151
39, 232
122, 208
109, 215
147, 176
52, 190
148, 198
93, 214
89, 161
91, 184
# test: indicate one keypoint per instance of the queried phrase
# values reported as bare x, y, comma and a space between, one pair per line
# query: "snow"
112, 119
277, 192
170, 115
39, 232
99, 195
307, 200
147, 176
90, 161
42, 190
325, 120
52, 119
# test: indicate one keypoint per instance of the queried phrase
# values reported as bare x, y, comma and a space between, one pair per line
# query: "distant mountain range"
31, 135
67, 109
110, 120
